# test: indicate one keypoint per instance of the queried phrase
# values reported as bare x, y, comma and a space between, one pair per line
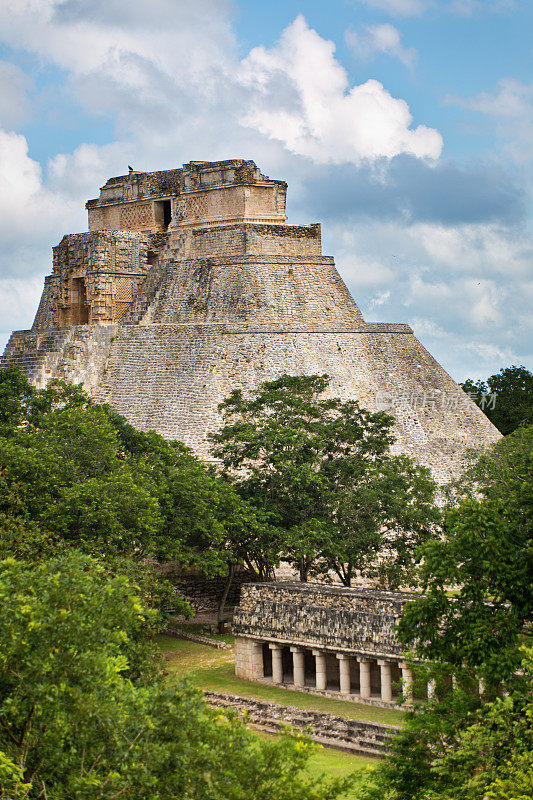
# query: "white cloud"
19, 299
466, 290
302, 98
465, 8
510, 104
14, 105
511, 100
169, 74
28, 208
377, 40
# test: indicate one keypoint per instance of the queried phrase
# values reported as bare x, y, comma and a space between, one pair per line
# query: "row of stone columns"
298, 659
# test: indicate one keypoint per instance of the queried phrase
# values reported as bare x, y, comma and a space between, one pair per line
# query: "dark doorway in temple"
79, 308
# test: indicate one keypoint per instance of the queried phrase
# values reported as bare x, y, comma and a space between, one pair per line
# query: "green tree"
465, 744
84, 715
506, 397
320, 472
488, 555
461, 748
79, 472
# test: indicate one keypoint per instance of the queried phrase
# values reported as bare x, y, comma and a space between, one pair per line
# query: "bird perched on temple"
130, 169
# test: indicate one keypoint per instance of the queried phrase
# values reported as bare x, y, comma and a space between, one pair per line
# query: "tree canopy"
488, 555
467, 743
85, 712
321, 472
76, 473
506, 397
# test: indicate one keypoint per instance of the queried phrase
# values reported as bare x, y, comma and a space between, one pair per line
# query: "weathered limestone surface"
357, 736
356, 621
190, 284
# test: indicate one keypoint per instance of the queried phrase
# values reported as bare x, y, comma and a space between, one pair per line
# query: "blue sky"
404, 126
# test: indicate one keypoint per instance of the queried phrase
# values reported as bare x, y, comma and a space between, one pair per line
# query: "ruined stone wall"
76, 354
96, 276
230, 203
297, 240
280, 290
357, 736
202, 593
360, 621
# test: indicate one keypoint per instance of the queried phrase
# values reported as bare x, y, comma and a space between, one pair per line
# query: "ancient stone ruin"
190, 283
325, 639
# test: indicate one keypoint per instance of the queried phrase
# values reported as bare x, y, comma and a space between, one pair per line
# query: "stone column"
432, 685
298, 662
407, 683
364, 677
481, 687
321, 677
277, 663
344, 672
386, 680
258, 670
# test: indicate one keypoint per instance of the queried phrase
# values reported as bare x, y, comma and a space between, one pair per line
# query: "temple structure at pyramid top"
189, 283
217, 193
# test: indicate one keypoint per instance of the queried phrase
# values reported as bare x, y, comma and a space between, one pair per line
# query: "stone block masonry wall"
96, 276
361, 620
297, 290
77, 354
296, 240
248, 659
356, 736
204, 594
171, 378
45, 317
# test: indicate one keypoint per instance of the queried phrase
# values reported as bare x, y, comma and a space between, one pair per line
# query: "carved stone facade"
211, 193
324, 639
96, 277
190, 283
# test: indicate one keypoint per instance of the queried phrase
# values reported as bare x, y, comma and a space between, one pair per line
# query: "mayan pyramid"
190, 283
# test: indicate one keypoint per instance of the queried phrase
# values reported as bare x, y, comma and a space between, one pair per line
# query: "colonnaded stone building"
324, 639
190, 283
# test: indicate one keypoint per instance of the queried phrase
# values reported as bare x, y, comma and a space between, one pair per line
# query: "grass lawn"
212, 669
336, 764
208, 668
200, 630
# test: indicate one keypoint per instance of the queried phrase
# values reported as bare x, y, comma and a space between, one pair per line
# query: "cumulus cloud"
19, 299
380, 40
28, 208
303, 98
14, 104
510, 104
454, 286
511, 99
